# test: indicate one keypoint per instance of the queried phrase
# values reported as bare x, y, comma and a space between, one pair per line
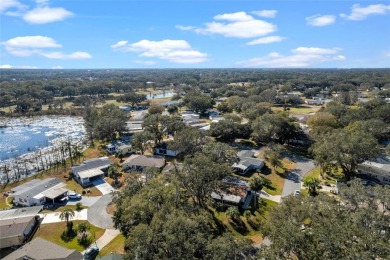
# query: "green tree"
197, 101
313, 185
224, 108
321, 227
274, 155
132, 98
155, 108
346, 149
189, 140
141, 141
83, 227
233, 213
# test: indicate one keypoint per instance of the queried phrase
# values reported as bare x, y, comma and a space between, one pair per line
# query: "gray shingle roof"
20, 212
145, 161
14, 227
96, 163
41, 249
35, 187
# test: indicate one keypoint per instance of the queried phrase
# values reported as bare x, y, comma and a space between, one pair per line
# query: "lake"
22, 136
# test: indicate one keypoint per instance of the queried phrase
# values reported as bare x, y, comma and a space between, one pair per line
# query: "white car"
74, 195
297, 192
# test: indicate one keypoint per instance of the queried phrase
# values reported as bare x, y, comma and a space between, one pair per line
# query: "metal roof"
35, 187
100, 163
19, 212
226, 197
54, 193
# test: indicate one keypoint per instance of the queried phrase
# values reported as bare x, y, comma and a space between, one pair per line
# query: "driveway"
85, 200
55, 216
103, 186
294, 178
97, 213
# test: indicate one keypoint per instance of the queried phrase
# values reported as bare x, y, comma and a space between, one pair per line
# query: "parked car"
297, 192
91, 253
74, 195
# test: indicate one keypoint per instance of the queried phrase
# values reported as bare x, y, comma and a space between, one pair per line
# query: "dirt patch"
111, 208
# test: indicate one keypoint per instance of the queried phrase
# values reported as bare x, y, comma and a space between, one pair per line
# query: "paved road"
293, 180
97, 213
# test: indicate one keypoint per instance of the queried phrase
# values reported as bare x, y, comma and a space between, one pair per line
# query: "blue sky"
194, 34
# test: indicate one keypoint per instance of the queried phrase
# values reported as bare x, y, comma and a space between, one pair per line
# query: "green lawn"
116, 246
315, 173
52, 232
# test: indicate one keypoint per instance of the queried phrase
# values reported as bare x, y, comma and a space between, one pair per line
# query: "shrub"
79, 206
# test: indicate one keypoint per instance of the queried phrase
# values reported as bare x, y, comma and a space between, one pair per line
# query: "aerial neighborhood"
200, 163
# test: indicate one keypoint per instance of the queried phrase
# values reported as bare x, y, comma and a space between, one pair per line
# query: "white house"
38, 192
91, 170
375, 170
247, 162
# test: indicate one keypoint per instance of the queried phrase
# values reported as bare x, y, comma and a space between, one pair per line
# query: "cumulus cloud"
42, 15
300, 57
266, 40
177, 51
361, 13
266, 13
13, 7
321, 20
37, 45
234, 25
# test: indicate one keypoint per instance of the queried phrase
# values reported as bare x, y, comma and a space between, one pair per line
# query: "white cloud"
361, 13
301, 57
266, 40
11, 4
37, 45
177, 51
266, 13
7, 66
42, 15
57, 67
72, 56
234, 25
320, 20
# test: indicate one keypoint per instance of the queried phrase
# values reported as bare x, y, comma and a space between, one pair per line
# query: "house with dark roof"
38, 192
139, 162
91, 170
41, 249
247, 162
18, 225
164, 150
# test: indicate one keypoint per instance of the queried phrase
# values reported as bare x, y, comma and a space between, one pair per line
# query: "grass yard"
304, 109
52, 232
315, 173
3, 203
116, 246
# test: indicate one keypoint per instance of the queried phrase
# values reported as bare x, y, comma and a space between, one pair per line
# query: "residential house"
18, 225
118, 147
91, 170
243, 202
375, 170
38, 192
139, 162
163, 149
172, 167
41, 249
247, 162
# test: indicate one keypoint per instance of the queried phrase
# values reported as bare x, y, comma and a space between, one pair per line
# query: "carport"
87, 176
55, 193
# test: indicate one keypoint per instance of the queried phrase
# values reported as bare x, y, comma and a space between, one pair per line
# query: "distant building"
38, 192
139, 162
91, 170
41, 249
18, 225
247, 162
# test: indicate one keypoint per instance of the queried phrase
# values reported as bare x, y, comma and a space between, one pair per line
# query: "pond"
160, 95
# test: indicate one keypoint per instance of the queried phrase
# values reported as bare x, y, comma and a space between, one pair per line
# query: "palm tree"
256, 184
67, 214
233, 213
83, 227
312, 184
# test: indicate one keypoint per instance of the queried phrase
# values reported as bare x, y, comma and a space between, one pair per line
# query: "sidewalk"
265, 195
108, 235
55, 216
